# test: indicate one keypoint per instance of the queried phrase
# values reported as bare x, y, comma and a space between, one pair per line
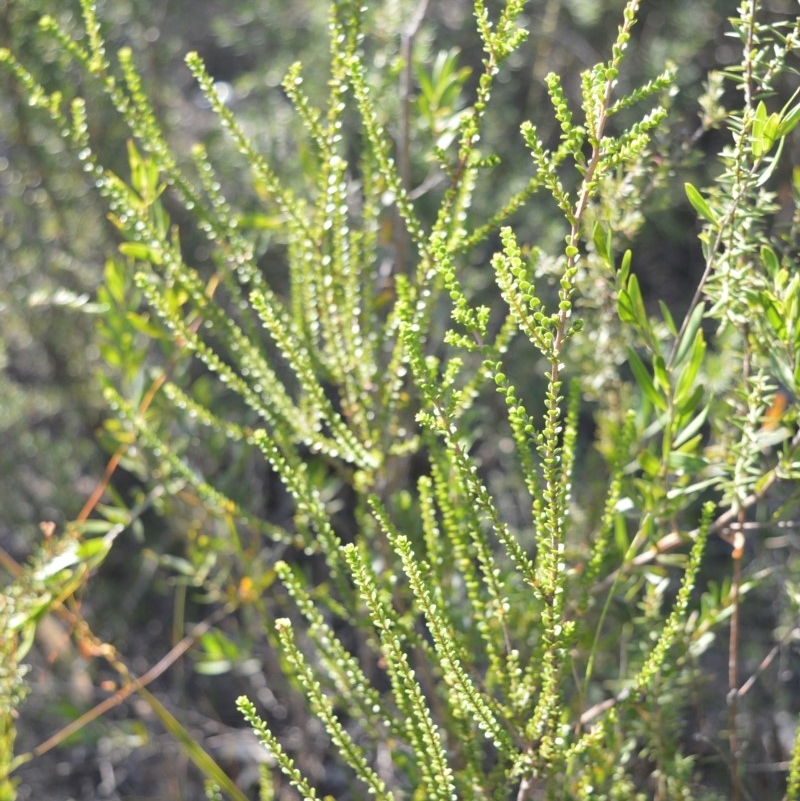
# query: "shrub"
503, 463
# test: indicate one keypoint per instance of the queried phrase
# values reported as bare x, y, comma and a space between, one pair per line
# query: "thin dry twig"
131, 686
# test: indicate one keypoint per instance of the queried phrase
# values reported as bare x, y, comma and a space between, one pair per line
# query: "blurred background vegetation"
54, 244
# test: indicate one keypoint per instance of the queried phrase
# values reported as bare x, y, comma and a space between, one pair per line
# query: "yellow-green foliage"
489, 660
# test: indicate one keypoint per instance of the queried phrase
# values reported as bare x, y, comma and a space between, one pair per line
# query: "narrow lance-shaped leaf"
645, 382
690, 334
699, 204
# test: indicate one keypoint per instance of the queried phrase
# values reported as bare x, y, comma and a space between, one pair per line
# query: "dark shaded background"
53, 243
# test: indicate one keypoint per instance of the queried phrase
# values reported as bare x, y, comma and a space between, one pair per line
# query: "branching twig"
133, 686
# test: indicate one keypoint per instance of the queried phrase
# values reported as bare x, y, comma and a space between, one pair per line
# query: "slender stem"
133, 686
404, 140
733, 669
